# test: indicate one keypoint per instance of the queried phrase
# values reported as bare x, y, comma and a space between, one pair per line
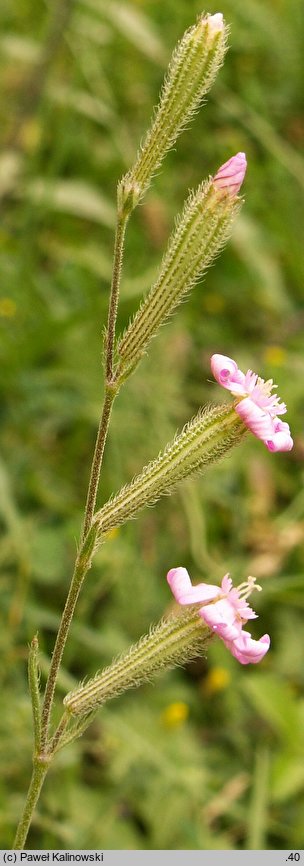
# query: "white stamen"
246, 588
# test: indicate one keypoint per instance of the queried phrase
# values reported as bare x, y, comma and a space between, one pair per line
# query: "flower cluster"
255, 404
225, 610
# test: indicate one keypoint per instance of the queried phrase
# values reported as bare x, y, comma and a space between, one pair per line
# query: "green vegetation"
211, 756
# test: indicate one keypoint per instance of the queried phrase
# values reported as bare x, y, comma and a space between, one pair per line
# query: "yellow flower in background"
217, 680
113, 533
8, 308
175, 714
31, 134
275, 355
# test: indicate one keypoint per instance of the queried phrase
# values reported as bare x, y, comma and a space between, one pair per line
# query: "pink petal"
227, 374
229, 633
249, 651
240, 605
245, 611
227, 585
216, 22
230, 176
281, 439
179, 581
183, 591
256, 419
279, 442
200, 592
281, 426
219, 613
221, 621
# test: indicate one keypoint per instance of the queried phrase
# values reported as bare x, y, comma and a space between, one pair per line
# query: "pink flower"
256, 405
248, 651
225, 610
230, 176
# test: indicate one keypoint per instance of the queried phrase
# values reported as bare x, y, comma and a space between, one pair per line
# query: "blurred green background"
210, 757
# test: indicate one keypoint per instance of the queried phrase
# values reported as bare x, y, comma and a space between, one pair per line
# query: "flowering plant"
225, 610
255, 404
199, 234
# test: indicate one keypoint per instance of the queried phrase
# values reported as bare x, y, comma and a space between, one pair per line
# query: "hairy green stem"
59, 733
33, 678
82, 566
69, 734
40, 769
111, 388
122, 219
110, 395
84, 559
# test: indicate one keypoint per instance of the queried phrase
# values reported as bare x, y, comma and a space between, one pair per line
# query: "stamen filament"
246, 588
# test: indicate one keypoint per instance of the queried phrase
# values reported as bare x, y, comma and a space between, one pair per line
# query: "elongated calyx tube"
191, 73
201, 231
210, 435
172, 642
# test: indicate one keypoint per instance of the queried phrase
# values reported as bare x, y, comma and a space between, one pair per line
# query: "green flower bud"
201, 231
192, 70
172, 642
204, 440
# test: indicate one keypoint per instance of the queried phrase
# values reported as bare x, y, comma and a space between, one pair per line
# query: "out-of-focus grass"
225, 770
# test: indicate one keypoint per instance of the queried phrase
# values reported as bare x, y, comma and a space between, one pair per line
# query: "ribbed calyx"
192, 70
172, 642
201, 231
205, 439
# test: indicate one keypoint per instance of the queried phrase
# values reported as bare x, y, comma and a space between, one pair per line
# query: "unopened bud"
204, 440
231, 175
172, 642
202, 230
215, 22
192, 71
